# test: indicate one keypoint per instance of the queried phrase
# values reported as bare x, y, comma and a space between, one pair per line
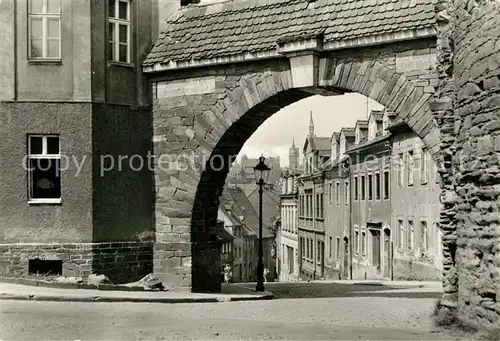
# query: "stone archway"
212, 122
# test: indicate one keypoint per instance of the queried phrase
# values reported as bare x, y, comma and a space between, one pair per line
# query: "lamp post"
261, 175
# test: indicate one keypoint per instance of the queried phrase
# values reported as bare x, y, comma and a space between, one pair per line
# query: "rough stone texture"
120, 262
477, 116
442, 110
202, 115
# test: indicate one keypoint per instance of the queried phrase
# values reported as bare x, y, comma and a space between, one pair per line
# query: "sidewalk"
10, 291
396, 286
415, 284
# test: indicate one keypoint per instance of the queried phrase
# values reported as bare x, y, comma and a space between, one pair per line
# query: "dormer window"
358, 136
342, 145
334, 150
372, 129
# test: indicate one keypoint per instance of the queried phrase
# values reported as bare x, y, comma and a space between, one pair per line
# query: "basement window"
44, 171
45, 267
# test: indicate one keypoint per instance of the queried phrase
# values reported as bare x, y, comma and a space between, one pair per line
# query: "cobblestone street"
325, 289
339, 318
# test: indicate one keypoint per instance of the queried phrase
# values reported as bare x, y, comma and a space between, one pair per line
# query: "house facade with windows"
415, 208
336, 177
370, 169
76, 127
311, 223
287, 236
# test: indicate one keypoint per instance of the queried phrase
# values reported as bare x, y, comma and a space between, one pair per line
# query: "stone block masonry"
477, 123
120, 262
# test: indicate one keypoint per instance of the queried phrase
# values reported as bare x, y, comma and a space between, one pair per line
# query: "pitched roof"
377, 114
224, 235
321, 143
317, 143
362, 124
243, 206
348, 132
223, 29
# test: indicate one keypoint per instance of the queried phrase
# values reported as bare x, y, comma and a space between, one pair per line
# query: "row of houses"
365, 205
239, 232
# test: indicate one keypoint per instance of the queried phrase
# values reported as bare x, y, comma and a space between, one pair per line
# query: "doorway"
387, 253
376, 249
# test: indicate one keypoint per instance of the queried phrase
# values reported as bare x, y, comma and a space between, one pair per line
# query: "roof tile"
198, 32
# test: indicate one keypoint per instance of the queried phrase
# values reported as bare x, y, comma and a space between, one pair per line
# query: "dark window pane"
36, 48
111, 8
123, 54
35, 145
45, 179
111, 28
52, 145
123, 34
111, 51
122, 10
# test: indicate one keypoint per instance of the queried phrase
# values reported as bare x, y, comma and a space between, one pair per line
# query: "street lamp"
261, 176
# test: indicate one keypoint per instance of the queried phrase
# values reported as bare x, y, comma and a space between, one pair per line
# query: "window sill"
45, 61
44, 202
423, 182
118, 64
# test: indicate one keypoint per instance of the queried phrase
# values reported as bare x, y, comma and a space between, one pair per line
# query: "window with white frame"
410, 235
337, 248
119, 30
363, 187
356, 241
44, 24
400, 167
346, 193
337, 189
401, 234
44, 171
424, 236
363, 243
331, 247
411, 163
356, 188
423, 166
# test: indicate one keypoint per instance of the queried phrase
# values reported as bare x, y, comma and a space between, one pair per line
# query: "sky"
330, 114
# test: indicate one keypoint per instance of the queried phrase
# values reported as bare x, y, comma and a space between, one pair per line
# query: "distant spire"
311, 124
293, 142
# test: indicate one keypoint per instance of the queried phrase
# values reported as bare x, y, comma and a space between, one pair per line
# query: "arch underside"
239, 104
371, 79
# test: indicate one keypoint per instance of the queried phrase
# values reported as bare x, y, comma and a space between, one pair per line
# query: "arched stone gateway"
220, 71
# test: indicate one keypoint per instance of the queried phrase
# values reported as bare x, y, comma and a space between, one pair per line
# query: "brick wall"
121, 262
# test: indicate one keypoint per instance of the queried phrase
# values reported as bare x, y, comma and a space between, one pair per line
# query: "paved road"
347, 318
317, 290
